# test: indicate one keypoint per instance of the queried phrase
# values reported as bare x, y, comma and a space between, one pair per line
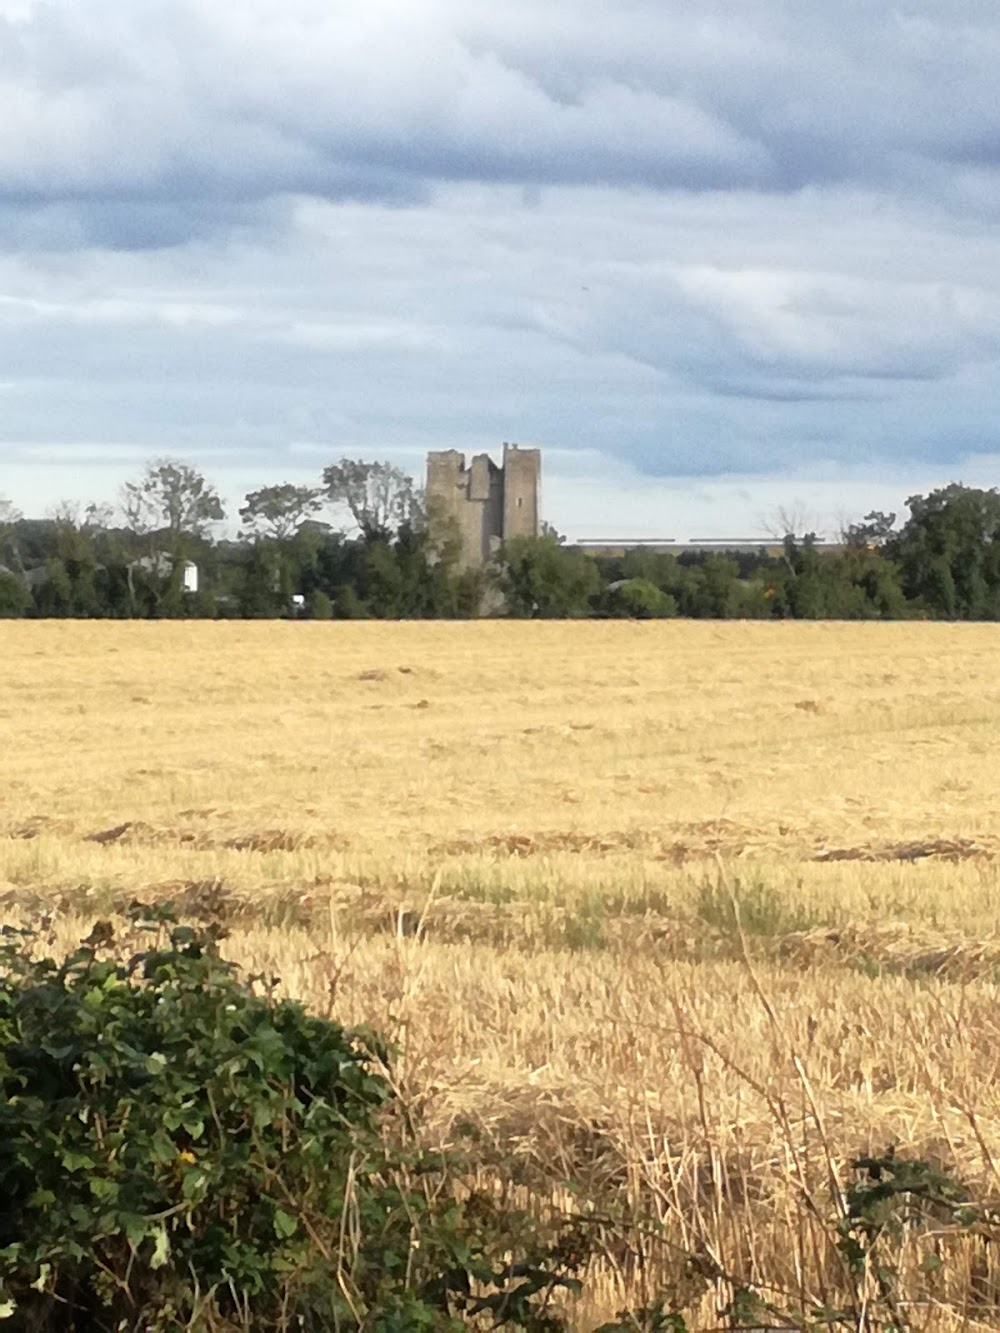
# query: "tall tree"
171, 496
380, 498
948, 552
8, 517
74, 533
279, 511
873, 532
538, 577
15, 599
71, 586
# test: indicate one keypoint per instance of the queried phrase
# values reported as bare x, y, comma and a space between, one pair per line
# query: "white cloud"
829, 325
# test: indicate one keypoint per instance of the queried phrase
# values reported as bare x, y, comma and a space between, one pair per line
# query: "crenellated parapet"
487, 504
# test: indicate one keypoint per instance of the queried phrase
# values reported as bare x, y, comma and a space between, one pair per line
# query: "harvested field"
686, 915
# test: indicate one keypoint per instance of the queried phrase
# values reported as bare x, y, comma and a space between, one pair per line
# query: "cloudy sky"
714, 259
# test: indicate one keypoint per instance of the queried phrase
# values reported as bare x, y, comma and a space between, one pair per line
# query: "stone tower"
522, 471
488, 504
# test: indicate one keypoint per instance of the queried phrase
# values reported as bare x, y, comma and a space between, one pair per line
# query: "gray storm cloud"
157, 105
695, 240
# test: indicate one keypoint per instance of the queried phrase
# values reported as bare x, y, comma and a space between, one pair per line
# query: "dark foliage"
942, 562
179, 1149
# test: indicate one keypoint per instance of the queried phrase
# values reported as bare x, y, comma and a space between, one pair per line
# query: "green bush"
640, 599
179, 1149
539, 577
347, 605
319, 606
15, 599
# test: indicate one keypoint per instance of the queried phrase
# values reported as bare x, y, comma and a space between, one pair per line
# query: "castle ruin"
488, 504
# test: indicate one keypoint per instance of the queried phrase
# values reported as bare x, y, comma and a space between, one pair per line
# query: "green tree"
721, 588
948, 552
9, 517
279, 511
319, 606
379, 497
171, 507
865, 585
639, 599
54, 597
710, 587
265, 582
873, 532
172, 497
73, 587
15, 599
807, 591
382, 583
538, 577
347, 605
431, 583
281, 561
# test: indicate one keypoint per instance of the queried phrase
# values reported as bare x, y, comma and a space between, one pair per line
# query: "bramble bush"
180, 1149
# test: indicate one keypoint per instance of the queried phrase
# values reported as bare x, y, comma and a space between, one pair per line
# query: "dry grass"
516, 848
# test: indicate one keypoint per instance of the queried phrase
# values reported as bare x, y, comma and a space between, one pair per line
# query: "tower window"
520, 501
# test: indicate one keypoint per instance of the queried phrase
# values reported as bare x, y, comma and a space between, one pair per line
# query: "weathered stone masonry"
489, 504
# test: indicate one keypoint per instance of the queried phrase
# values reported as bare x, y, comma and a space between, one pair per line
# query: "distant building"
696, 545
489, 504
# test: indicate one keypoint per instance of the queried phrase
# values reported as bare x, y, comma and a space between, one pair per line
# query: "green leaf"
193, 1186
76, 1161
58, 1052
101, 1188
194, 1127
263, 1115
41, 1281
136, 1228
161, 1248
284, 1224
7, 1309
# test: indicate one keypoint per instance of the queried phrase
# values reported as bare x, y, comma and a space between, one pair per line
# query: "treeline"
154, 556
943, 563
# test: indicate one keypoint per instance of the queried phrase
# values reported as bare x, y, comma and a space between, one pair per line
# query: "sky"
716, 260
